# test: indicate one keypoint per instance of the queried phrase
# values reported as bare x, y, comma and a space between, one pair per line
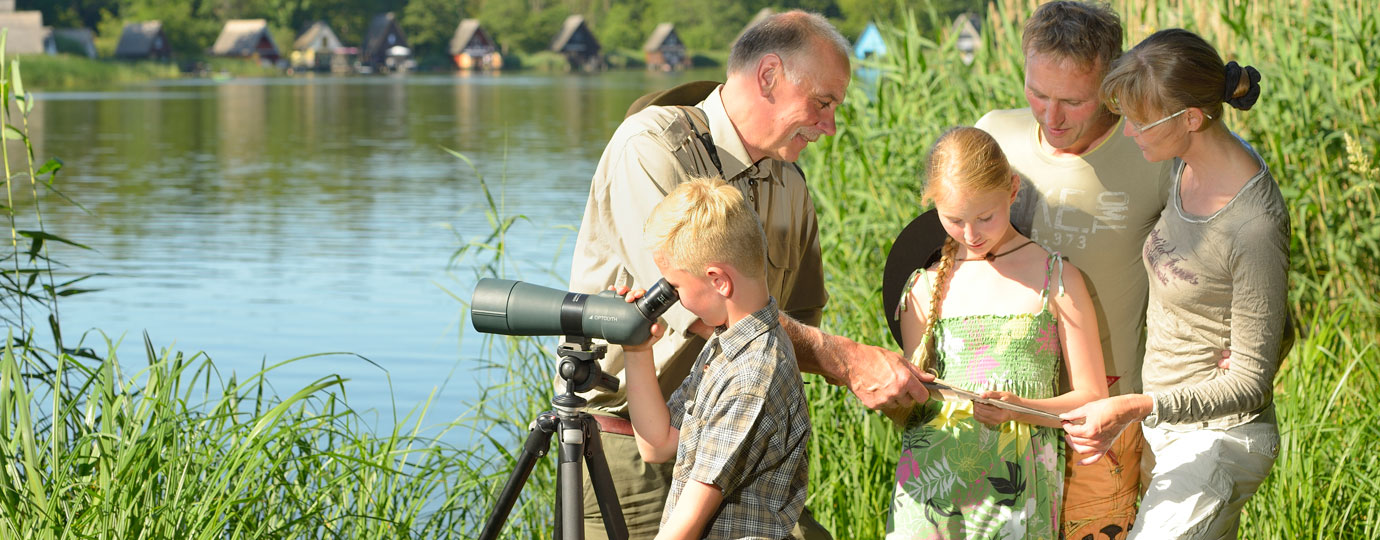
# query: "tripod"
579, 438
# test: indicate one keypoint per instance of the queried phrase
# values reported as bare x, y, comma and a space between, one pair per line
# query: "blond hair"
1171, 70
705, 221
965, 161
1087, 33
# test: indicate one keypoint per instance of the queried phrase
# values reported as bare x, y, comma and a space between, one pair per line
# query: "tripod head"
579, 368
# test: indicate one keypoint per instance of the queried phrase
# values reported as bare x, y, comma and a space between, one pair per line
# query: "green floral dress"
957, 478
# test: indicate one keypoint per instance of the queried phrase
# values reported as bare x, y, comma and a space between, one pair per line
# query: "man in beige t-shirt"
1089, 194
786, 76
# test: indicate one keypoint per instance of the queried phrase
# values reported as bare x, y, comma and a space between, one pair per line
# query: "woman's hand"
995, 416
658, 330
1092, 428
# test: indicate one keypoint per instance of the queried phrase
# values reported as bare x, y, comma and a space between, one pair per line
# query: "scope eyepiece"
657, 300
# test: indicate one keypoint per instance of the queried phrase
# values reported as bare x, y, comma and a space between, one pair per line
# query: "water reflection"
260, 220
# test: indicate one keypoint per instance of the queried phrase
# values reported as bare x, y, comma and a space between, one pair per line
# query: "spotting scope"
514, 308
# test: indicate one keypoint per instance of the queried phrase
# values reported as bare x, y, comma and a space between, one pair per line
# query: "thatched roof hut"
246, 38
968, 26
27, 35
318, 48
79, 41
144, 39
471, 47
578, 44
318, 37
385, 45
664, 50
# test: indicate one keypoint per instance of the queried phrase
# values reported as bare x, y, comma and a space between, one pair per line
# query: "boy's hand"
995, 416
658, 330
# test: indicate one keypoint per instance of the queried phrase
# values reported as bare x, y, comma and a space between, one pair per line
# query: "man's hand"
882, 379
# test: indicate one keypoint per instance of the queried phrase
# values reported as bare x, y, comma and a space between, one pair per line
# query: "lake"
259, 220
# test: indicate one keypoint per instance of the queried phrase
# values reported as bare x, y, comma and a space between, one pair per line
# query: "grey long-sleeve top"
1216, 282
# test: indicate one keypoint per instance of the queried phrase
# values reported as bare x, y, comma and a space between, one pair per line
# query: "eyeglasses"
1142, 129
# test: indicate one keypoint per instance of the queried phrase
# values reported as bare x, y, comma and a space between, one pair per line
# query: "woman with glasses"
1218, 261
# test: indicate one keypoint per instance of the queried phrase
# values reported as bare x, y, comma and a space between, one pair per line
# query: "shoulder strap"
1054, 272
911, 282
699, 125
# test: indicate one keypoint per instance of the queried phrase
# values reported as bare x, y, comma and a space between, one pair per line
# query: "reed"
176, 449
65, 72
172, 448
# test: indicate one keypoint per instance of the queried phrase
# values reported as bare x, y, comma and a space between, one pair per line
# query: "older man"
1089, 194
786, 76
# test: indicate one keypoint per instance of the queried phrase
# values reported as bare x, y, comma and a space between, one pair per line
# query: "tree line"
520, 26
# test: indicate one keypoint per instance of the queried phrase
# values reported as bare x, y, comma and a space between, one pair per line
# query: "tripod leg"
604, 492
571, 479
537, 445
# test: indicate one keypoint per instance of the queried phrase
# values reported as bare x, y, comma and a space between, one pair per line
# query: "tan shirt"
1217, 282
1095, 209
649, 154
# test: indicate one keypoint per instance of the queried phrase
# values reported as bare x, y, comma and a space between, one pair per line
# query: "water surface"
264, 219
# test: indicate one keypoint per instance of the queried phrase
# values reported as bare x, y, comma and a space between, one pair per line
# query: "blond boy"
738, 426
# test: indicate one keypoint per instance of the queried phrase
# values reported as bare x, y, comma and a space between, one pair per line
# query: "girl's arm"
914, 325
697, 504
1082, 350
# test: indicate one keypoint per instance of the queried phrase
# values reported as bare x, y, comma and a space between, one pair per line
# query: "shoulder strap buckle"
699, 125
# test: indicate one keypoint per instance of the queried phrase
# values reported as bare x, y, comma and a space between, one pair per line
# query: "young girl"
994, 316
1218, 260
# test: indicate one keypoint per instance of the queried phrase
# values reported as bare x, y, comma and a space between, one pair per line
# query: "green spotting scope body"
514, 308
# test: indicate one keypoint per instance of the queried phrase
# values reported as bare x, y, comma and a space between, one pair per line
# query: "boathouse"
318, 49
27, 35
578, 45
472, 48
247, 38
385, 45
143, 40
869, 44
968, 26
664, 50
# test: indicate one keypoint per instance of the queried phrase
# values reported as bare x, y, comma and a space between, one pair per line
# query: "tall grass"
1314, 125
166, 446
1315, 128
176, 449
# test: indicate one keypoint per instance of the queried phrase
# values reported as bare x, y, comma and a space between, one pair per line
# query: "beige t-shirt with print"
1096, 209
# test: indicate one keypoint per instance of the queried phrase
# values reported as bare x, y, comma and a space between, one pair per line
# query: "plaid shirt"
734, 437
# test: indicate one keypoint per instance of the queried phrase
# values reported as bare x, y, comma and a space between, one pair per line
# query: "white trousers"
1200, 480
